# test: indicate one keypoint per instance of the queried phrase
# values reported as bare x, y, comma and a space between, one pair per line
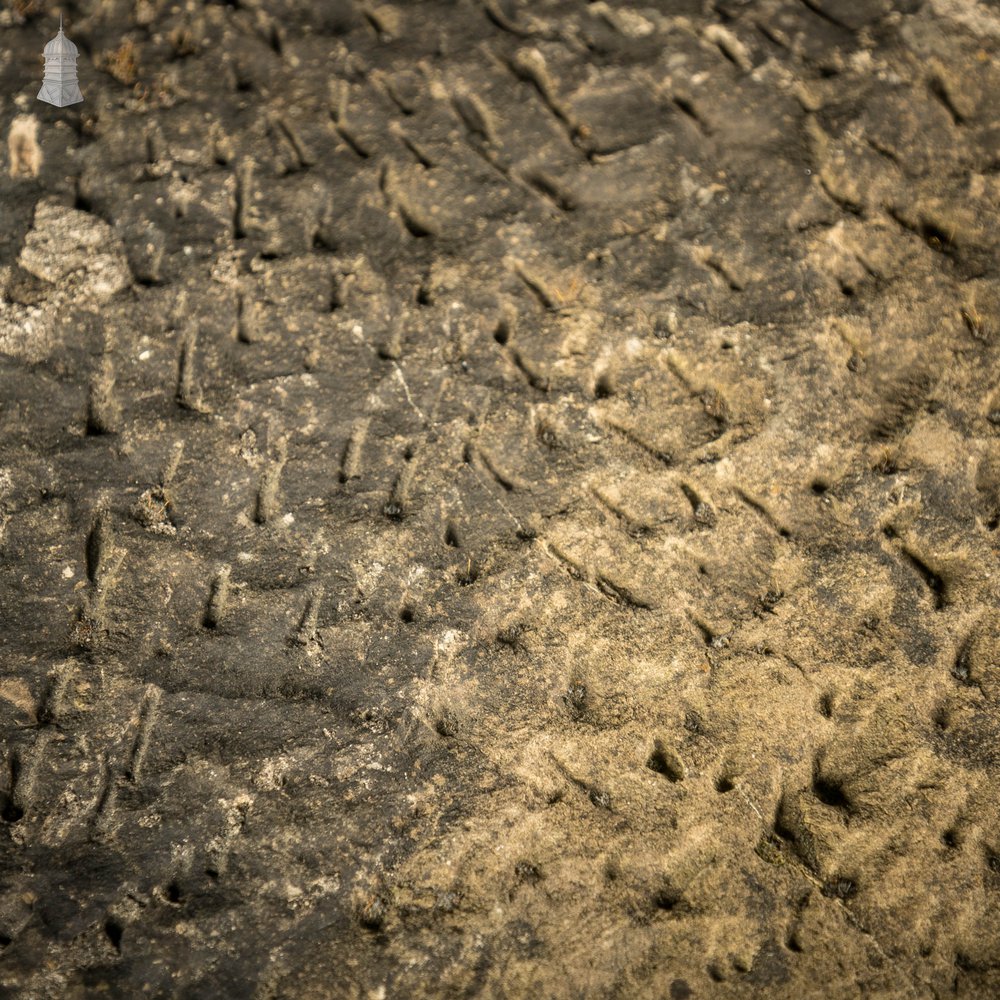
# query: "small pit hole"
11, 813
667, 899
603, 386
830, 793
114, 930
664, 762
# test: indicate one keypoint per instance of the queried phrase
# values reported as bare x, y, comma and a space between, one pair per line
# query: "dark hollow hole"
687, 108
114, 931
660, 763
830, 793
666, 899
11, 813
406, 614
373, 913
445, 726
782, 828
603, 387
936, 237
724, 784
934, 581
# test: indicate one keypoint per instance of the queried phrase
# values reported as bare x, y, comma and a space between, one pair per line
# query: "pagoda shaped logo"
60, 86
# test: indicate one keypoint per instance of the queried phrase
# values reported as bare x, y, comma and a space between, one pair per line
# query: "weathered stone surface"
530, 527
